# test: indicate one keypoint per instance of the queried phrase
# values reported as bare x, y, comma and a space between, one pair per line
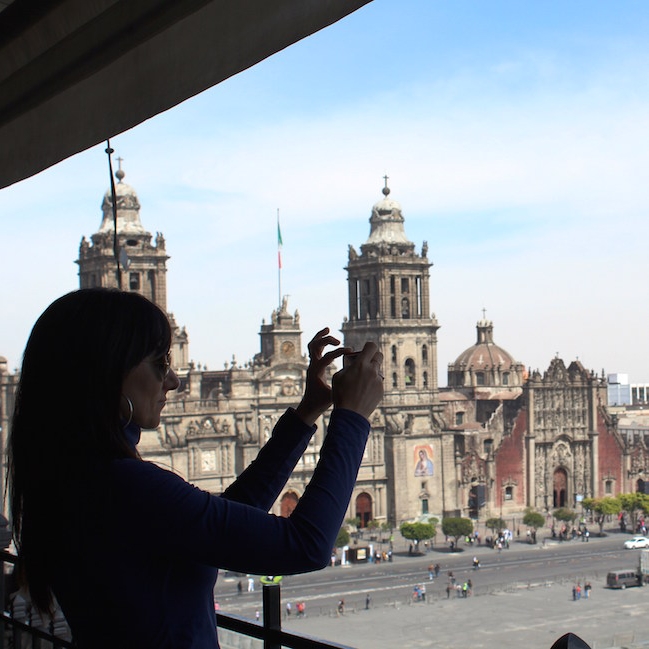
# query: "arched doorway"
288, 503
560, 488
364, 509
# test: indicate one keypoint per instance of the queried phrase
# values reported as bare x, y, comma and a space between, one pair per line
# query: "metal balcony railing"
23, 628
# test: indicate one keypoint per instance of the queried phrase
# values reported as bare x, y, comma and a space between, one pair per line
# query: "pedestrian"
257, 616
113, 348
587, 588
431, 572
437, 569
465, 589
578, 591
469, 587
574, 593
341, 607
448, 590
239, 587
288, 609
301, 609
422, 591
251, 584
368, 601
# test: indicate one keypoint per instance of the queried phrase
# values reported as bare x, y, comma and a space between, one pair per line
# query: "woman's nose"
171, 381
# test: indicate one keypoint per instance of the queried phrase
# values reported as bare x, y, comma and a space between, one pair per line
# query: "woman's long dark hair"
66, 421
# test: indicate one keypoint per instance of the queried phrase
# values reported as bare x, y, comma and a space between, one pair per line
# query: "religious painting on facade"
423, 460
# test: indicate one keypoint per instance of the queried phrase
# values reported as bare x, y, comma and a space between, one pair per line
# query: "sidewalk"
528, 618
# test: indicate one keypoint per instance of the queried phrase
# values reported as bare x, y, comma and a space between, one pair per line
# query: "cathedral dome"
387, 221
485, 354
128, 209
485, 363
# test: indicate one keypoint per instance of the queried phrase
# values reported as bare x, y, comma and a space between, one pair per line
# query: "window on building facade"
394, 354
134, 281
608, 486
479, 378
405, 308
424, 354
425, 379
409, 374
509, 493
487, 445
459, 418
394, 379
356, 294
424, 505
505, 378
418, 296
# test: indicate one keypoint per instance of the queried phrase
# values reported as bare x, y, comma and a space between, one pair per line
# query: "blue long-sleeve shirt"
140, 563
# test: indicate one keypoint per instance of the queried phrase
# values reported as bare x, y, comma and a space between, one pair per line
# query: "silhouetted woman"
129, 550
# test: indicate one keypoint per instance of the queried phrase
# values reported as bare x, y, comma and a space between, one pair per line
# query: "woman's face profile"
146, 385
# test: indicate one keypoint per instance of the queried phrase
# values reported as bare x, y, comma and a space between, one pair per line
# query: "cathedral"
496, 440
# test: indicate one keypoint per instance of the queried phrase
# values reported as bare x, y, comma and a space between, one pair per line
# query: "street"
521, 596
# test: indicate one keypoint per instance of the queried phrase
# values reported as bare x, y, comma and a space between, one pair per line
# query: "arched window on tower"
405, 308
425, 379
424, 354
409, 373
505, 378
418, 296
394, 354
134, 281
394, 379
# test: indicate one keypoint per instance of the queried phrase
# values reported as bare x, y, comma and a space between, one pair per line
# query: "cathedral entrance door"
364, 509
560, 488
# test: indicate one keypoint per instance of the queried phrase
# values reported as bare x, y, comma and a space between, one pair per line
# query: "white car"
637, 542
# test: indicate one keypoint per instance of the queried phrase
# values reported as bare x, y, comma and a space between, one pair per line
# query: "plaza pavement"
530, 618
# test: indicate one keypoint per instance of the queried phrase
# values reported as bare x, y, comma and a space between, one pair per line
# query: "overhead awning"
76, 72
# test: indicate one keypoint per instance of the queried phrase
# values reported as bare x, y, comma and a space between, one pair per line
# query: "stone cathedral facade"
495, 440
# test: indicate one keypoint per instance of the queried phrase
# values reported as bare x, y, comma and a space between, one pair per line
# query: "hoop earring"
130, 411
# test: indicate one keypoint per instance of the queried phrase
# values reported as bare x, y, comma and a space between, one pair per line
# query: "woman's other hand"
317, 393
359, 385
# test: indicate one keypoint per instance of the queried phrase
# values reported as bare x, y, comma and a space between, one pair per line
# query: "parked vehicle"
637, 542
622, 579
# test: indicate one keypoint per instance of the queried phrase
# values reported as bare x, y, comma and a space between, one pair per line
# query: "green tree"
534, 520
633, 504
457, 527
495, 524
417, 531
601, 508
565, 515
343, 538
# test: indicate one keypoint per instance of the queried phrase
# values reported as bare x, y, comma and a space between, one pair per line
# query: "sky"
515, 136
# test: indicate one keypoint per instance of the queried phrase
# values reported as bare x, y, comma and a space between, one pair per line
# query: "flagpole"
279, 263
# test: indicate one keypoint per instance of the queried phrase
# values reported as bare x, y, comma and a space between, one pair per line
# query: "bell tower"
143, 264
389, 303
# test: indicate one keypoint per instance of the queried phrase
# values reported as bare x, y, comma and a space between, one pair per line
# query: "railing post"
272, 613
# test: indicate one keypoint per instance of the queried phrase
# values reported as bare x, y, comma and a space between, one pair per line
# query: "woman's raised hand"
359, 385
317, 393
